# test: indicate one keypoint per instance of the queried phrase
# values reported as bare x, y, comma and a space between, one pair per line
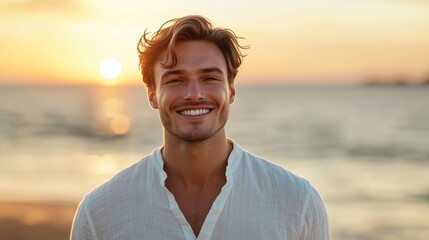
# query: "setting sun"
110, 68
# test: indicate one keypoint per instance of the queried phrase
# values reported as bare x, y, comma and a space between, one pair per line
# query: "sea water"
366, 149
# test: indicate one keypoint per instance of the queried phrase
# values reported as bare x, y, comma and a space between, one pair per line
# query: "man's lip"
190, 105
195, 107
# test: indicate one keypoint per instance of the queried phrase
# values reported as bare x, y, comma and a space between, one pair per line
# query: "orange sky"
296, 41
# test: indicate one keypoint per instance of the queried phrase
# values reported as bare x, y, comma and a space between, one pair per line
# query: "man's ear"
152, 98
232, 93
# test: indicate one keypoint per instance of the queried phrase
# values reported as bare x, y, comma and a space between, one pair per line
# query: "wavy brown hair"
187, 28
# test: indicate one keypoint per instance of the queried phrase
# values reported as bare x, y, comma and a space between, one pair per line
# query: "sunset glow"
309, 42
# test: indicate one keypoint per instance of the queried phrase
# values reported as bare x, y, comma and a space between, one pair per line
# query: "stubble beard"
196, 134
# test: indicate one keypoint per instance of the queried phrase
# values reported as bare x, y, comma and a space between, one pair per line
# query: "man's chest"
196, 209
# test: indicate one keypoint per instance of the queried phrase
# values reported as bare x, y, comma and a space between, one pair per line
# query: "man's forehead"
196, 52
192, 57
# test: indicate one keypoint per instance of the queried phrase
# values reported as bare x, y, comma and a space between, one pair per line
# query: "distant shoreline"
398, 83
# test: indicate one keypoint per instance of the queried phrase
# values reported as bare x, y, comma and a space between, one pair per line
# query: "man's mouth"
195, 112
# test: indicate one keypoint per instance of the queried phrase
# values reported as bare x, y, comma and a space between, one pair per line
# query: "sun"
110, 68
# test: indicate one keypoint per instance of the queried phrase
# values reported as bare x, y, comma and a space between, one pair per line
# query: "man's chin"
194, 138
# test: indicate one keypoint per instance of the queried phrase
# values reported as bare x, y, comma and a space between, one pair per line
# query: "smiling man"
199, 184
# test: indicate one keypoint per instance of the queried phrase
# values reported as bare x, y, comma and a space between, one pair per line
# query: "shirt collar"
232, 162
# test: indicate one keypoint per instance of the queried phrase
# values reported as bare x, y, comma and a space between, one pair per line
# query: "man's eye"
211, 79
173, 81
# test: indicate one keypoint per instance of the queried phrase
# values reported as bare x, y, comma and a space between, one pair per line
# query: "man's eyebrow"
172, 72
181, 71
209, 70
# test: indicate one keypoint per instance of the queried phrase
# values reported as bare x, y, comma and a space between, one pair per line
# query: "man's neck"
196, 164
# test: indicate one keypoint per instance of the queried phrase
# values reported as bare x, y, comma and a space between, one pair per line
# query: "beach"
33, 220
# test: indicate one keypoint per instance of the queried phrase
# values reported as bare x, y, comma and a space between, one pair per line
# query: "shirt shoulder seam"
305, 209
90, 222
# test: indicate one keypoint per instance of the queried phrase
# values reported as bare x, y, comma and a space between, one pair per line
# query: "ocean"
366, 149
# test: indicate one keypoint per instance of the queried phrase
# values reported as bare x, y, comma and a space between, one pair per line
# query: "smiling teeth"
195, 112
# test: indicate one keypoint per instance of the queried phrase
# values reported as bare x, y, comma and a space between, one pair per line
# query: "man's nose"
194, 91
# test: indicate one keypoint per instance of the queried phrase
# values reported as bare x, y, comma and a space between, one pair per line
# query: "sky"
63, 42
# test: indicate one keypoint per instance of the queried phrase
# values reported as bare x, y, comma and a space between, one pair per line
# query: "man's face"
193, 97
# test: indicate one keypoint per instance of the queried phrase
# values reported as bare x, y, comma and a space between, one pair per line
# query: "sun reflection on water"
120, 124
111, 107
110, 119
102, 164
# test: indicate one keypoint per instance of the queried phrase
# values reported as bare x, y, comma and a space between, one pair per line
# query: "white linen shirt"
260, 200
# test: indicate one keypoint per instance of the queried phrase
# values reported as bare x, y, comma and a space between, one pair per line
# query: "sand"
24, 220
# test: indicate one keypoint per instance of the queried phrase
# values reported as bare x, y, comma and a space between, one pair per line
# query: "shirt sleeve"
83, 227
315, 219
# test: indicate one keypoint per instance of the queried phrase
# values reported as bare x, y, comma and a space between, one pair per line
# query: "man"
199, 184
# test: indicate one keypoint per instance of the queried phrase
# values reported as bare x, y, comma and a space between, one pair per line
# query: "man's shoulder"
121, 183
117, 198
268, 172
